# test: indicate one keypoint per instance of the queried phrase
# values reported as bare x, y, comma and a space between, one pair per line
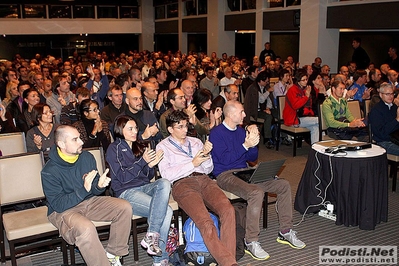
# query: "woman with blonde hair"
11, 92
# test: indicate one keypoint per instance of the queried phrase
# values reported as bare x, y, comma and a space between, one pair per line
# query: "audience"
143, 104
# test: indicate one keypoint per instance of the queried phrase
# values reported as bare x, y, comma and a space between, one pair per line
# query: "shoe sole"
147, 247
256, 258
285, 242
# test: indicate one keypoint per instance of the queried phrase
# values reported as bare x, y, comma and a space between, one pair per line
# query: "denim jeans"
311, 123
390, 147
152, 201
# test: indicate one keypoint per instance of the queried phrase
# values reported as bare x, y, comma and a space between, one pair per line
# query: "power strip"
326, 214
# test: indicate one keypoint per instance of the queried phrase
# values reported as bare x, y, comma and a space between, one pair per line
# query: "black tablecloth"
359, 190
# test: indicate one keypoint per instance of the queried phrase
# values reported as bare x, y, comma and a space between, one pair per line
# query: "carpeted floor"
315, 231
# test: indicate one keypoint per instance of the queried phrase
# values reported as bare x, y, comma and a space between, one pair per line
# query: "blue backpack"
196, 252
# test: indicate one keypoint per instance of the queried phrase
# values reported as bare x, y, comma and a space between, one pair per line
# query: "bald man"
146, 120
233, 146
152, 100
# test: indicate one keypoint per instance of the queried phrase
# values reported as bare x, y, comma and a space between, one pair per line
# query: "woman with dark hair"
318, 91
132, 167
41, 136
31, 98
298, 110
93, 131
210, 118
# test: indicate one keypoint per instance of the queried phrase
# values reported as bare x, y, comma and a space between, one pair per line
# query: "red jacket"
295, 99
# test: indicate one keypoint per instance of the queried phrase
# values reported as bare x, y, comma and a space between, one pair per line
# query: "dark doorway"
196, 42
166, 42
245, 46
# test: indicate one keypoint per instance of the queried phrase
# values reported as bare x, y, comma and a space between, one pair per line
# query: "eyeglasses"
305, 79
388, 93
181, 127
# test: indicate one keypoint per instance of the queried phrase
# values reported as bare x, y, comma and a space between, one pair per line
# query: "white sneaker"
114, 260
290, 239
256, 251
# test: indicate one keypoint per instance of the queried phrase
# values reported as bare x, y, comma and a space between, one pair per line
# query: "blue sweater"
383, 121
63, 182
127, 171
228, 151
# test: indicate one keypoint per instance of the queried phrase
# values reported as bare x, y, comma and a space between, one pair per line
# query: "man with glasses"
177, 100
186, 164
384, 119
339, 119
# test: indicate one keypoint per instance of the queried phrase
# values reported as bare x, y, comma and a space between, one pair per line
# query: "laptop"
264, 172
345, 146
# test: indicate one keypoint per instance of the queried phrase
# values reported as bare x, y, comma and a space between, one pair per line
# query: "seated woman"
131, 163
24, 120
6, 122
298, 110
41, 136
11, 92
93, 131
210, 118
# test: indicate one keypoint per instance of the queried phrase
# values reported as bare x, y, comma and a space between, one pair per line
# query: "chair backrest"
12, 143
20, 178
322, 122
98, 154
367, 104
280, 106
354, 107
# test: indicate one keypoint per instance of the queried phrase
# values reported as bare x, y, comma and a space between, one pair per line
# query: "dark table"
358, 190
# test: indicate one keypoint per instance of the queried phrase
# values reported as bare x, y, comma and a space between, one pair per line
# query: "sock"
110, 256
285, 231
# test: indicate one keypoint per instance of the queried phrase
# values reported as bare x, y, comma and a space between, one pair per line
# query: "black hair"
139, 146
176, 117
200, 97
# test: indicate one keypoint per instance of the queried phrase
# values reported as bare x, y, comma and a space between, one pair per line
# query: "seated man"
146, 120
72, 187
177, 101
259, 102
233, 147
384, 119
186, 164
360, 80
339, 119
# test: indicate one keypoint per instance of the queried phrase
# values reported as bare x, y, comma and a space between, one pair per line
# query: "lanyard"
189, 153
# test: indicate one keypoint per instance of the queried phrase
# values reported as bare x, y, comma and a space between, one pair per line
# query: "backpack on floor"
196, 252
